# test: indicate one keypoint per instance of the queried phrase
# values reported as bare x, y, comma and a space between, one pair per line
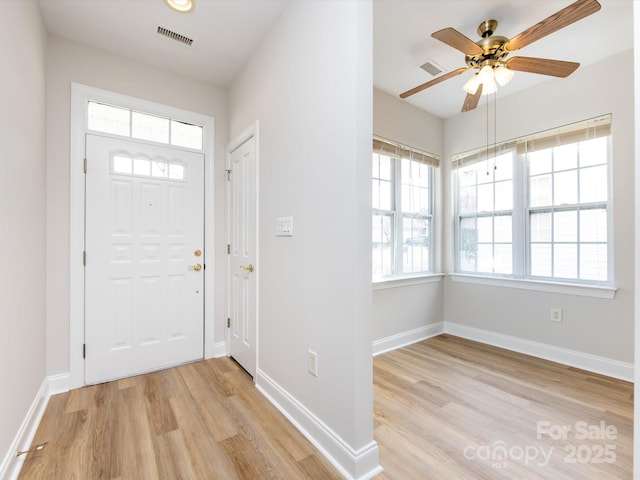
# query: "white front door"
242, 264
144, 296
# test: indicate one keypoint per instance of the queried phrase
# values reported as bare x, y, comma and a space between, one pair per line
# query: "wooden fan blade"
544, 66
433, 82
471, 100
568, 15
455, 39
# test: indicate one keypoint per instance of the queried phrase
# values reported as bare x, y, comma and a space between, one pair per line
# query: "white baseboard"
403, 339
219, 350
59, 383
585, 361
52, 385
353, 464
215, 350
10, 467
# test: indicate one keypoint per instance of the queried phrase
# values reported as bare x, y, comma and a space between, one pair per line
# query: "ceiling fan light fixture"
472, 85
485, 75
503, 75
489, 87
489, 54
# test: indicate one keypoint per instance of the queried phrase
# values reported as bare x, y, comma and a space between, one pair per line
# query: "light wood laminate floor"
445, 408
204, 420
448, 408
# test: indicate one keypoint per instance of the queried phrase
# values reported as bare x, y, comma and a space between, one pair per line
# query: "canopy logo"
583, 442
499, 453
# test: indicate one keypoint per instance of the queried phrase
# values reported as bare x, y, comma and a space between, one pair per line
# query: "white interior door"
242, 264
144, 278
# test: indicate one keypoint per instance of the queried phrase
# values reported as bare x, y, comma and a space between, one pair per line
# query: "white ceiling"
402, 42
226, 32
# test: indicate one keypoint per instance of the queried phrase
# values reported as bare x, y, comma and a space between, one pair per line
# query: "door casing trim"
80, 95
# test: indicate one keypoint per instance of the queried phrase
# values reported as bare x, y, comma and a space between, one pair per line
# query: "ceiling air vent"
431, 68
175, 36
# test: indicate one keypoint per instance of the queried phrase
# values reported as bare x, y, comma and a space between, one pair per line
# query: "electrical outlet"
312, 363
556, 315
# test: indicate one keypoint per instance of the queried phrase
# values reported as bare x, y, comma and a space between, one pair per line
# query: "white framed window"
402, 216
568, 209
134, 124
485, 208
539, 208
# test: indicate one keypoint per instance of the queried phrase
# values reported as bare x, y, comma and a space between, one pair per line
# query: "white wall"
636, 203
398, 309
309, 86
398, 120
22, 214
402, 313
591, 325
71, 62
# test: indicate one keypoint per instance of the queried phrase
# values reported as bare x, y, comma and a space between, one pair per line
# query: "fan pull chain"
487, 137
495, 129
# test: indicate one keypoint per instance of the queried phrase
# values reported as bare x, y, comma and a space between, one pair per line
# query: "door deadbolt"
197, 253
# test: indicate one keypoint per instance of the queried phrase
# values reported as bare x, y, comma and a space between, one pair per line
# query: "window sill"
406, 281
536, 285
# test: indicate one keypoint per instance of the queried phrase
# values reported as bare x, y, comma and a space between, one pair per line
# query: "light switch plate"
284, 226
312, 363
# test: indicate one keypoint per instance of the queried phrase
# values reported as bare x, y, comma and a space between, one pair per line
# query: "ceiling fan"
489, 55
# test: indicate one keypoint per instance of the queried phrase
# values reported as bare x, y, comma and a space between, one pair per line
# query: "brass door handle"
197, 267
248, 268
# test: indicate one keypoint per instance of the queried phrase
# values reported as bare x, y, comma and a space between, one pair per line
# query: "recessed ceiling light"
182, 6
